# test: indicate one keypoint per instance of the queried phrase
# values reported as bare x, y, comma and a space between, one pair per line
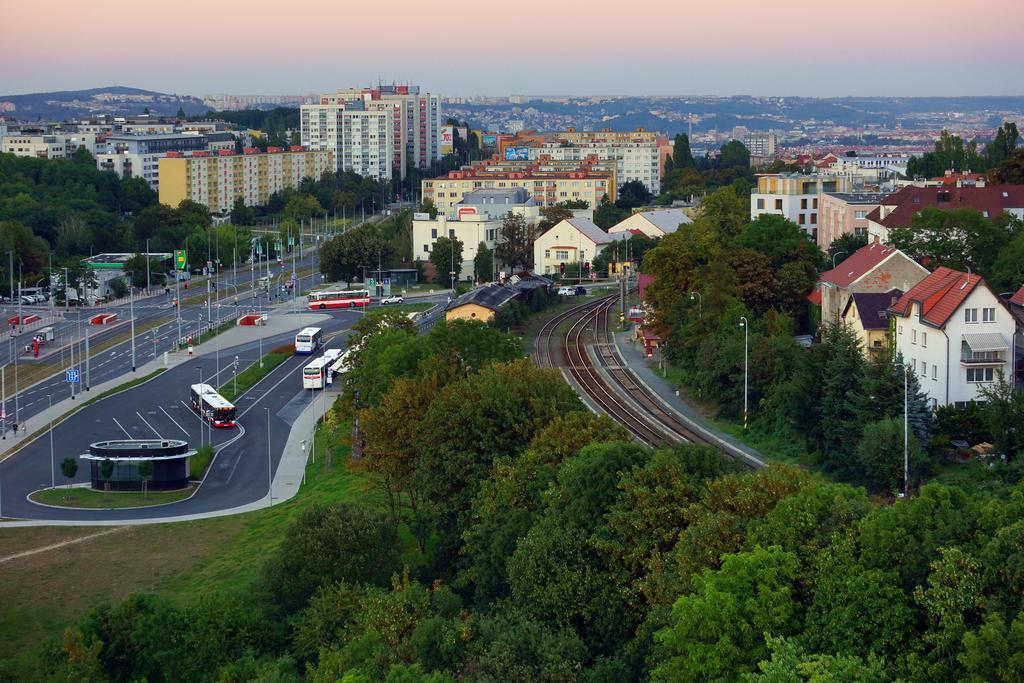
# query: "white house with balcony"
956, 334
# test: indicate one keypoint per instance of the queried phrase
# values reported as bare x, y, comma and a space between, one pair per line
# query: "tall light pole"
906, 431
700, 303
746, 335
199, 408
131, 307
53, 480
270, 467
148, 280
834, 258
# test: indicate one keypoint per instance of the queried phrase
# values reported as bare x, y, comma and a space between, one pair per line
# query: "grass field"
47, 591
247, 378
81, 497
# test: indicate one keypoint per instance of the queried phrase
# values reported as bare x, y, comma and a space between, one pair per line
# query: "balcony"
984, 348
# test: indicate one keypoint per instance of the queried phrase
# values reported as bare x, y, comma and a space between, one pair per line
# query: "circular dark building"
169, 458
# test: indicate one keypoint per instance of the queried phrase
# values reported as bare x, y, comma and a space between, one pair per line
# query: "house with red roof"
897, 209
956, 334
872, 268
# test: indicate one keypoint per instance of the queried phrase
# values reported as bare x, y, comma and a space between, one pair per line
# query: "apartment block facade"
795, 196
546, 187
412, 120
216, 180
637, 161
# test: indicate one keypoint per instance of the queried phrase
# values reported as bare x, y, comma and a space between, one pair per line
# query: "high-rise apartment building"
761, 145
413, 121
361, 140
216, 180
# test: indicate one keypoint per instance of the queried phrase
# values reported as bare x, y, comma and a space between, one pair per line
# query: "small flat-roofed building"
169, 458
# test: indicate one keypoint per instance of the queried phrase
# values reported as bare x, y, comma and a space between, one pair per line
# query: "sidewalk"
277, 323
660, 388
288, 477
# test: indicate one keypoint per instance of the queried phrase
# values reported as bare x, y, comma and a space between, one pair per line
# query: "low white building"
956, 334
477, 218
573, 240
795, 196
652, 223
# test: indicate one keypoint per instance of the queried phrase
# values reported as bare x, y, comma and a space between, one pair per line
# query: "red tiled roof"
1018, 298
993, 199
940, 295
857, 265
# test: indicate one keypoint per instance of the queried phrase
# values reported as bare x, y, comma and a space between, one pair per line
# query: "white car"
393, 299
567, 291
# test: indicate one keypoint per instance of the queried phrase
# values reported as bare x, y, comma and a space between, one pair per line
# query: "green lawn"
247, 378
47, 591
79, 497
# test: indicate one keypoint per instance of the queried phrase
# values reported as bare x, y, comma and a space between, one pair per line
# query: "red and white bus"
343, 299
212, 406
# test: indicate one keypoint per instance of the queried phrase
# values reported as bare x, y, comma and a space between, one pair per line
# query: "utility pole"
177, 299
746, 331
270, 467
131, 307
53, 481
148, 280
3, 402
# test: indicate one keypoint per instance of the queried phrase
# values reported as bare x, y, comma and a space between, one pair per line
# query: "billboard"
446, 139
517, 154
490, 140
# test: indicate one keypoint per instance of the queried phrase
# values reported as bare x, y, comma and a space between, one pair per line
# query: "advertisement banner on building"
517, 154
490, 141
446, 139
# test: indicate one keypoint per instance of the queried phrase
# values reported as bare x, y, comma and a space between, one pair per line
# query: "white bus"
317, 374
308, 340
339, 299
212, 406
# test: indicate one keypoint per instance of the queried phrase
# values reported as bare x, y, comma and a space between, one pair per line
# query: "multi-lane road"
232, 294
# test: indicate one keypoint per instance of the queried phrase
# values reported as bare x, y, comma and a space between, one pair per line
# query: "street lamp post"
906, 431
131, 306
700, 303
53, 481
834, 258
270, 467
199, 408
746, 334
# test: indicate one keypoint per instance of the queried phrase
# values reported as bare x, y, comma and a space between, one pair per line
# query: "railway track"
612, 387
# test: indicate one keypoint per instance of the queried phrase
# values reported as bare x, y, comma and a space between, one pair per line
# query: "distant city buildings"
384, 130
138, 156
762, 146
218, 179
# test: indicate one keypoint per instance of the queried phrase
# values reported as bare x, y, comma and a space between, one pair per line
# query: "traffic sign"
295, 276
71, 376
180, 259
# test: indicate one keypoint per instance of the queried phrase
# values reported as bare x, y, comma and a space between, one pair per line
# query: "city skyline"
909, 49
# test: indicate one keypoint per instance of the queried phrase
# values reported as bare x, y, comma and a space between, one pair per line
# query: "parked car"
567, 291
581, 290
393, 299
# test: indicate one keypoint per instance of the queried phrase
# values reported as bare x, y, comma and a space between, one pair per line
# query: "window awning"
986, 341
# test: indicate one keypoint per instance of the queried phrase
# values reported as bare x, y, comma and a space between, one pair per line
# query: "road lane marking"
122, 428
175, 422
148, 425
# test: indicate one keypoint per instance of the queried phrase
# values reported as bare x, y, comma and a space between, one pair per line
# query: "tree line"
549, 546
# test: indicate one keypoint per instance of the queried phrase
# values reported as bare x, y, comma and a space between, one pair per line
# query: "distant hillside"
116, 99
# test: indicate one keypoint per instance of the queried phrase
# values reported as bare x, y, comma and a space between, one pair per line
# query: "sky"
568, 47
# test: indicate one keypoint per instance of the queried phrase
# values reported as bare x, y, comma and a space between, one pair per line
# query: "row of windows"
988, 315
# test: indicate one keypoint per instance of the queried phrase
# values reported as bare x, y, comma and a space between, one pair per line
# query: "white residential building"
573, 240
794, 196
634, 160
35, 145
478, 218
360, 139
956, 334
413, 122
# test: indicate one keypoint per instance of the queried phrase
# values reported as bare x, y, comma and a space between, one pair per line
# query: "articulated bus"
308, 340
342, 299
317, 375
212, 406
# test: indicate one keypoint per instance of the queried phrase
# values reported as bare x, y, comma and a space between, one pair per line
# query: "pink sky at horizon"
909, 47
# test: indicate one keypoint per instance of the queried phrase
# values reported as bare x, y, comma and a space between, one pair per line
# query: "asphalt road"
159, 408
116, 361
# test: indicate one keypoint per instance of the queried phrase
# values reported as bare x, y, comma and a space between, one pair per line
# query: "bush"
334, 543
118, 287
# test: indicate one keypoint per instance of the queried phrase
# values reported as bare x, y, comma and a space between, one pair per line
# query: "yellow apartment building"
216, 180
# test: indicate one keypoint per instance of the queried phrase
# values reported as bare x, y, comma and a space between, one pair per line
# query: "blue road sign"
71, 376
